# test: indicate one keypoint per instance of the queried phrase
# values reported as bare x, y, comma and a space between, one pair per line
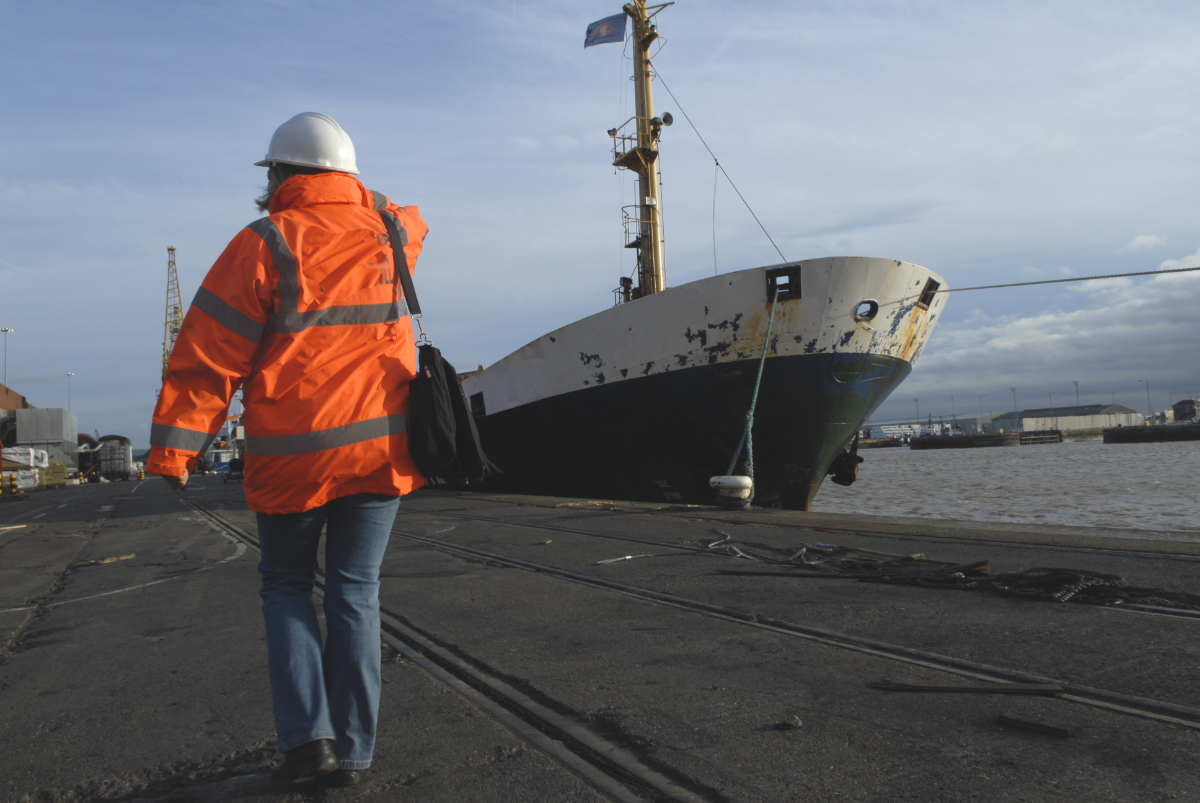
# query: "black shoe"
341, 778
304, 764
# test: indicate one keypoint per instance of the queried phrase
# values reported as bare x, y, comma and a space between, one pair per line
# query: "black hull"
661, 437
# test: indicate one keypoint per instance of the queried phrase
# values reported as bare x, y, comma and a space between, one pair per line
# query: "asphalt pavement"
134, 665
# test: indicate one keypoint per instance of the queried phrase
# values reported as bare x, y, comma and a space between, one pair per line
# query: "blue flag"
609, 29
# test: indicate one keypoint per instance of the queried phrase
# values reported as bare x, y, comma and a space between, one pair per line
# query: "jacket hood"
321, 188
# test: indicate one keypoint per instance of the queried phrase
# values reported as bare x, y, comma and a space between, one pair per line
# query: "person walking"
304, 312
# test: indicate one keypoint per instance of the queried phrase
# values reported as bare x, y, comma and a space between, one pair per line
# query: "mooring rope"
748, 434
1074, 279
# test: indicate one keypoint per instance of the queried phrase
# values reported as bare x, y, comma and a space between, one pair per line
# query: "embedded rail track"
1118, 551
1099, 698
1127, 608
612, 769
604, 765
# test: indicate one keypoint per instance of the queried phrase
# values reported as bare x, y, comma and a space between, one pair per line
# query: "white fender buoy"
731, 487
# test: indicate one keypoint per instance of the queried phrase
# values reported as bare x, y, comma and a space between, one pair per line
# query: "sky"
991, 143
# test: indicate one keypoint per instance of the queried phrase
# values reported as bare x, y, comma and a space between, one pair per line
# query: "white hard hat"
312, 140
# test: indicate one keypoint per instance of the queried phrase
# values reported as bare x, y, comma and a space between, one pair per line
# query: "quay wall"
964, 441
1154, 434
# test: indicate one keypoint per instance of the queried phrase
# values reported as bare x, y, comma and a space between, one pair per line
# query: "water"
1137, 486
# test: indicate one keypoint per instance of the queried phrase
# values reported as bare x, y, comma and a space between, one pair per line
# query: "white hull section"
719, 320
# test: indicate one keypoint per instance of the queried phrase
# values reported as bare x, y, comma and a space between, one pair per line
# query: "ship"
648, 400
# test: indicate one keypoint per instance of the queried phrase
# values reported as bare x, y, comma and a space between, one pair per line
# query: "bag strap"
401, 259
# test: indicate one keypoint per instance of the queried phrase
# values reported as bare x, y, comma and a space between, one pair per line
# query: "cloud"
1044, 148
1162, 133
1190, 261
893, 214
1121, 325
1145, 241
1118, 332
897, 106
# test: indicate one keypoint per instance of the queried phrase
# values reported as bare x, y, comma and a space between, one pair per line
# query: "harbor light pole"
953, 415
979, 423
1149, 406
917, 401
1075, 382
1052, 424
69, 375
6, 330
1016, 415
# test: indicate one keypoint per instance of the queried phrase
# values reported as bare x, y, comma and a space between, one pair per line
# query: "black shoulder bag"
442, 437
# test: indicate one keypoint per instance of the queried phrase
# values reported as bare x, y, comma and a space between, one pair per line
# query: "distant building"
1087, 416
930, 425
53, 430
1184, 410
974, 425
11, 400
901, 431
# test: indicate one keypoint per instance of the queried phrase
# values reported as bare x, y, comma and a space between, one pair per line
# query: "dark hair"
279, 173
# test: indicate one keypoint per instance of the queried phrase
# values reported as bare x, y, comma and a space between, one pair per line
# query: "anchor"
844, 468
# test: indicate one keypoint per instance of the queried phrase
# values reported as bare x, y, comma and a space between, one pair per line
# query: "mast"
639, 152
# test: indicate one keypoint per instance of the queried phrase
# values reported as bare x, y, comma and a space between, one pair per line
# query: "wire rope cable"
1073, 279
718, 166
717, 162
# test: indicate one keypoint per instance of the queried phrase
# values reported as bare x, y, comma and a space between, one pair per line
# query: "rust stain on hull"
912, 334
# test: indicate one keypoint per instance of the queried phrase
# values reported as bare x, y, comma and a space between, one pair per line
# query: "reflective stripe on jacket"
302, 311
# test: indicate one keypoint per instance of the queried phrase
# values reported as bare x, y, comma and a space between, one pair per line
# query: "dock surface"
524, 663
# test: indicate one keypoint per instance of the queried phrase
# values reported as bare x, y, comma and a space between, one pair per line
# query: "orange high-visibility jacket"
304, 312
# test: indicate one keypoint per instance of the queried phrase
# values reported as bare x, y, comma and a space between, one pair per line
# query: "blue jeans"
334, 693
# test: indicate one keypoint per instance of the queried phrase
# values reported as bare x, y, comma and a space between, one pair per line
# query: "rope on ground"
1040, 584
1054, 585
1074, 279
747, 434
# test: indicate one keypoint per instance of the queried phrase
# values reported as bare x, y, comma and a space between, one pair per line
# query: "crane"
174, 310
